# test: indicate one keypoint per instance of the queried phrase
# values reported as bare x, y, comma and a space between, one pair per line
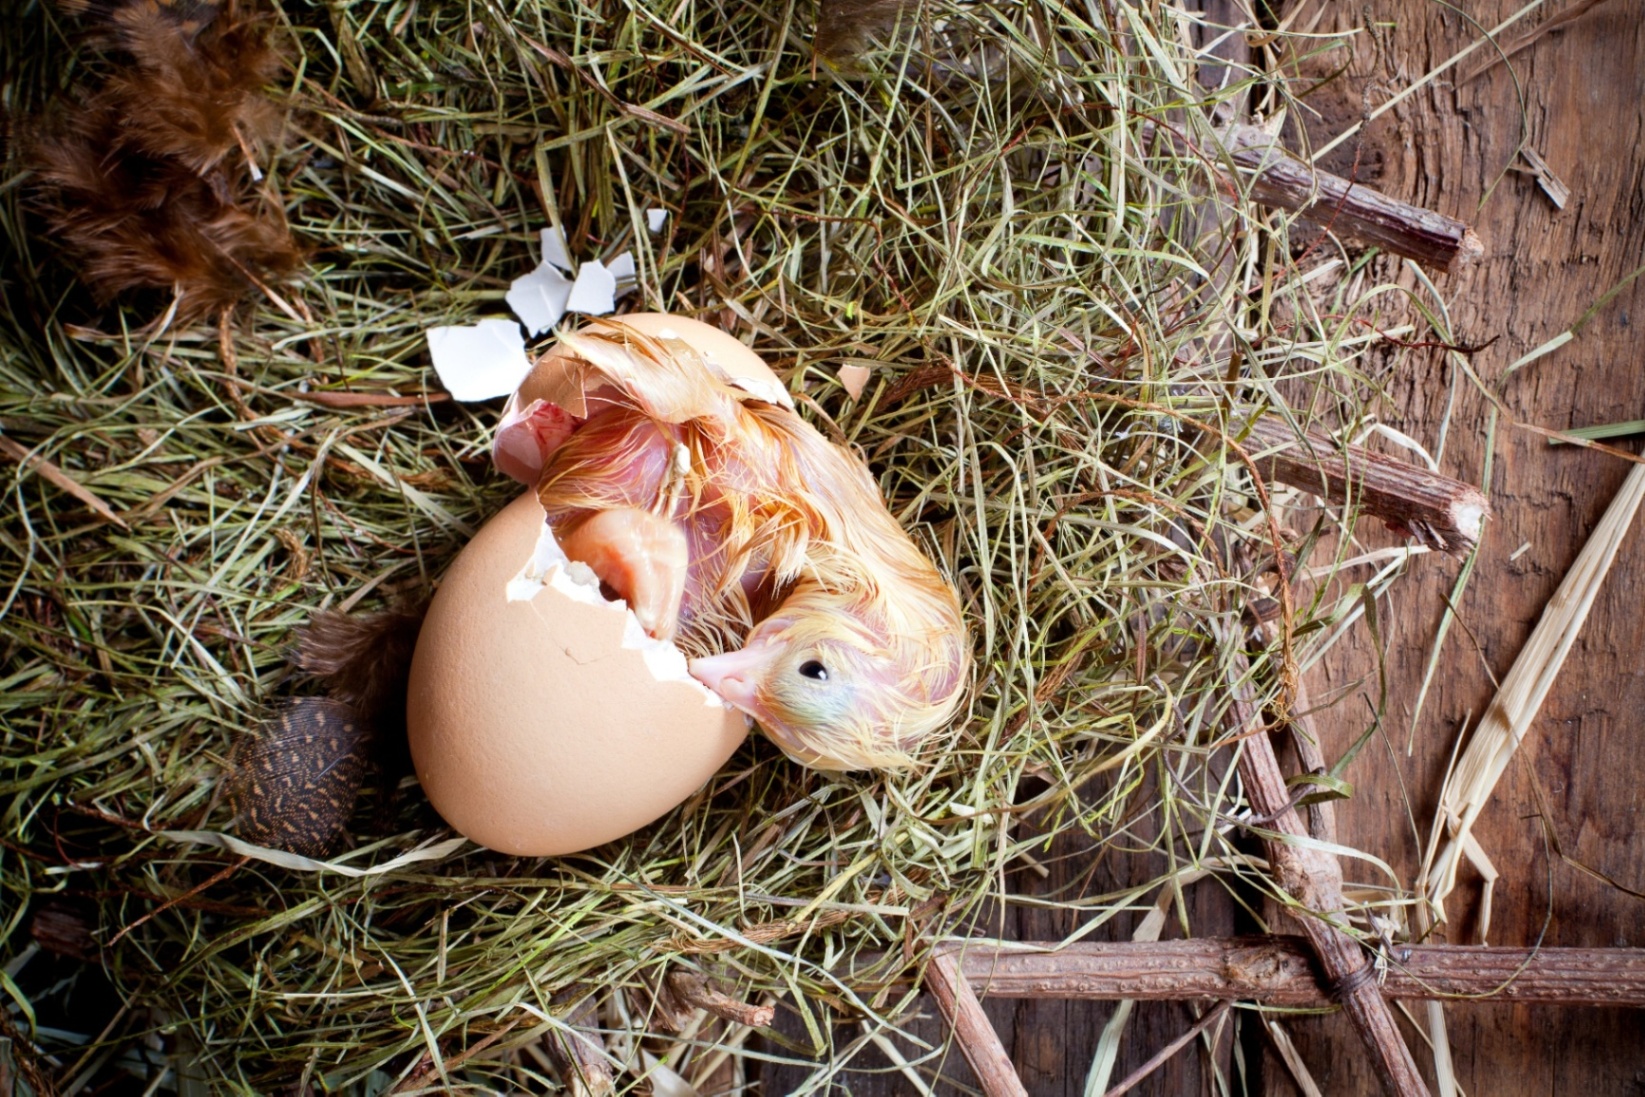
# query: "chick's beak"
734, 675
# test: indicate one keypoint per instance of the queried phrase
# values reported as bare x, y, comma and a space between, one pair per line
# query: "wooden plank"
1577, 785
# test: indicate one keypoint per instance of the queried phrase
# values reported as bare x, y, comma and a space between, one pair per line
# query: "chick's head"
834, 691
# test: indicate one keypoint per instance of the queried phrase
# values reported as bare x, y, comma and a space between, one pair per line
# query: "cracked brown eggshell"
550, 723
551, 380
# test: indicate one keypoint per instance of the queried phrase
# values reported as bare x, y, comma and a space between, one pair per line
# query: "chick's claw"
641, 556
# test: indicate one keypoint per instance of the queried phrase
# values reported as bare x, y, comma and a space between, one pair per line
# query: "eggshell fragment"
594, 292
855, 379
539, 298
479, 361
542, 412
547, 725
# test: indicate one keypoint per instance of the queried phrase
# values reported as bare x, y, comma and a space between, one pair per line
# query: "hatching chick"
730, 523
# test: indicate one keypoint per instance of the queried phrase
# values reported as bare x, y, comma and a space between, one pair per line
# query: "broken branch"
1350, 209
694, 990
1436, 510
1314, 880
972, 1031
1279, 971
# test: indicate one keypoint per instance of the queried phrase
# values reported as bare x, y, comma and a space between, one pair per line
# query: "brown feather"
363, 660
294, 782
846, 27
145, 179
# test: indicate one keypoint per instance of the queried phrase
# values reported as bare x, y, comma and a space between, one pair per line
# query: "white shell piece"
622, 269
655, 219
555, 251
479, 361
539, 298
595, 291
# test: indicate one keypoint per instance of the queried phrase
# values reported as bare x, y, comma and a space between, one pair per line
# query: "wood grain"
1576, 787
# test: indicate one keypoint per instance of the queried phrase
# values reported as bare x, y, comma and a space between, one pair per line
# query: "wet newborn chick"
732, 526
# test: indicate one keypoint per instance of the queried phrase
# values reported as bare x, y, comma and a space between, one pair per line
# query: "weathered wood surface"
1576, 785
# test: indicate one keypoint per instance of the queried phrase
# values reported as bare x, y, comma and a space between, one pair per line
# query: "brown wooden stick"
577, 1053
972, 1031
1314, 880
696, 991
1322, 815
1436, 510
1281, 180
1279, 971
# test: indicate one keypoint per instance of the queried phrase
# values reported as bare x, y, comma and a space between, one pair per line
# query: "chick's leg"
640, 555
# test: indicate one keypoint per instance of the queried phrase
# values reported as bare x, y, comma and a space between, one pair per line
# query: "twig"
577, 1054
1279, 971
972, 1030
1135, 1078
427, 1074
1314, 880
1435, 510
694, 990
215, 878
1280, 179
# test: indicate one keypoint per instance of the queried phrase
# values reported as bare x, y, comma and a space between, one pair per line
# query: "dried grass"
1051, 309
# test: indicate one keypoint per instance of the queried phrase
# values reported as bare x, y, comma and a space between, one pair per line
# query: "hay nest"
1063, 311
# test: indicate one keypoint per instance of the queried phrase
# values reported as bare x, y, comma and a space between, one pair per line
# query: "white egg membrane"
549, 566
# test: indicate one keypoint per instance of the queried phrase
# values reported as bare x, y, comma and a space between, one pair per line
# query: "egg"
543, 719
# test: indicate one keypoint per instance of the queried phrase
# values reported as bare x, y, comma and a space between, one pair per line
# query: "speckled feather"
295, 781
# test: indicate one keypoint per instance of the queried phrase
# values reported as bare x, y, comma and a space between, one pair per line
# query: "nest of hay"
1063, 314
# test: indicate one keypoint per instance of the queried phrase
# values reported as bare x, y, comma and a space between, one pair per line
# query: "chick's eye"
814, 670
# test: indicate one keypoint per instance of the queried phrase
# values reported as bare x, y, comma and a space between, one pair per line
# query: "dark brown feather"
363, 660
846, 27
147, 179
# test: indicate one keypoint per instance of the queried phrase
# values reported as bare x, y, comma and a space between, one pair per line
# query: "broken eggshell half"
543, 720
546, 407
